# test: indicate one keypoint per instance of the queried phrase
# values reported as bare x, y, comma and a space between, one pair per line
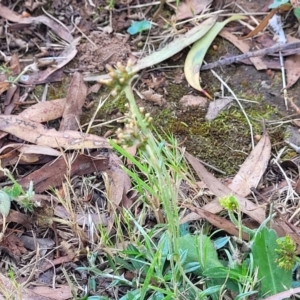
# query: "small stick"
267, 51
285, 96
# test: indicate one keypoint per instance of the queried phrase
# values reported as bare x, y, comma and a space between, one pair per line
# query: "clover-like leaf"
139, 26
277, 3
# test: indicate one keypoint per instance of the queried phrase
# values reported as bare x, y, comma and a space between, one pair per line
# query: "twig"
285, 95
267, 51
212, 167
284, 295
158, 11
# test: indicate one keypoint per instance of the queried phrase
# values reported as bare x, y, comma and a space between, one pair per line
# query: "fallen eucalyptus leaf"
75, 98
44, 111
65, 57
190, 8
253, 167
60, 30
30, 149
37, 134
221, 190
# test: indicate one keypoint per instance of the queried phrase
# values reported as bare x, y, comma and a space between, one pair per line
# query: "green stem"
238, 223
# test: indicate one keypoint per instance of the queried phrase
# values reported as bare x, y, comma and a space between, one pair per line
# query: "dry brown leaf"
213, 219
42, 112
13, 94
244, 47
253, 167
65, 57
60, 260
295, 3
45, 111
190, 8
60, 30
221, 190
8, 99
28, 158
12, 244
54, 173
30, 149
250, 172
118, 183
8, 290
76, 95
62, 292
292, 65
4, 86
262, 25
36, 133
18, 218
81, 218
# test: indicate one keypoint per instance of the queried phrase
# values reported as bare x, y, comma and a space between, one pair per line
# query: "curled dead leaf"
221, 190
60, 30
36, 133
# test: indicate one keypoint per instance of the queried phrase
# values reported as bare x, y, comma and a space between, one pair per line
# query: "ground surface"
224, 143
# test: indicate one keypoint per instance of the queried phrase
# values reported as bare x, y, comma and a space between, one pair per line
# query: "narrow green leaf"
175, 46
223, 272
196, 55
273, 278
4, 204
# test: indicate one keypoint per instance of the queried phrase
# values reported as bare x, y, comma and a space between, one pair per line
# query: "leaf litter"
51, 158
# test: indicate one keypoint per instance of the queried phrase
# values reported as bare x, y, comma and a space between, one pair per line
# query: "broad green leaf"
196, 55
15, 191
199, 249
139, 26
4, 204
273, 278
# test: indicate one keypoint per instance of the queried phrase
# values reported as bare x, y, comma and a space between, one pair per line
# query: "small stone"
215, 107
257, 137
190, 100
